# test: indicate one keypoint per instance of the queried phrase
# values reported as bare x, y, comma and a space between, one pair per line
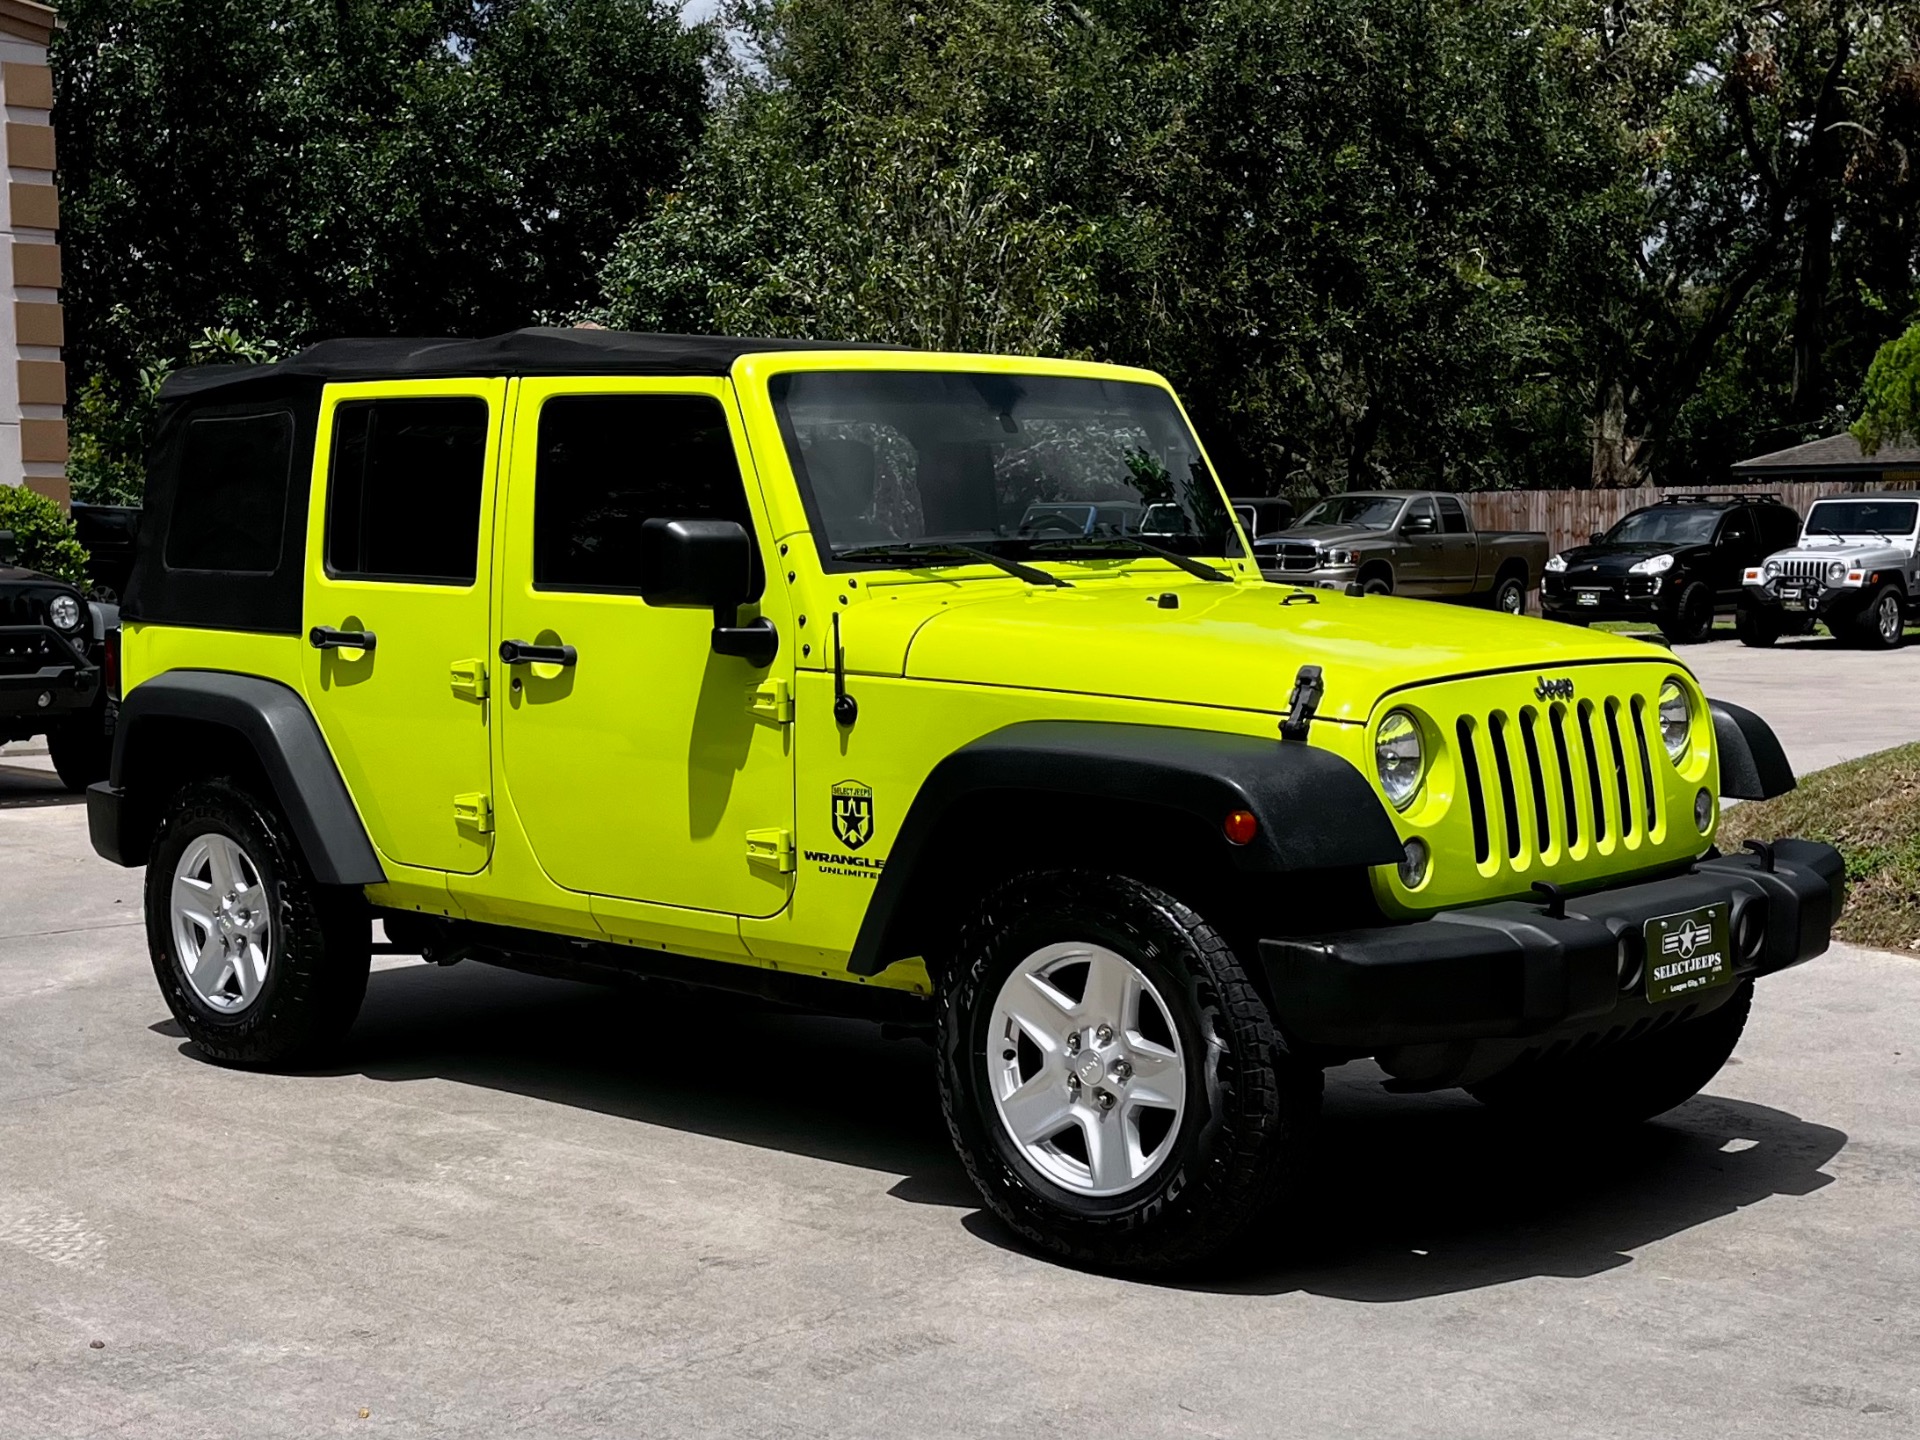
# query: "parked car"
1406, 542
1146, 847
1104, 517
1677, 563
1262, 516
1856, 570
58, 653
109, 533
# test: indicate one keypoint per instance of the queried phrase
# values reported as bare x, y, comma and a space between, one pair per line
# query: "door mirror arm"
708, 565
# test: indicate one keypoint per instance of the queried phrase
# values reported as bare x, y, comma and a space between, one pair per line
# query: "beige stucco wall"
33, 386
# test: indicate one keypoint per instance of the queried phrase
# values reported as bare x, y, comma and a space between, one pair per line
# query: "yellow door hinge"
474, 811
773, 701
469, 678
772, 848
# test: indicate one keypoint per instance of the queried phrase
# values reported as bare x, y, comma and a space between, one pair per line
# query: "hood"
1829, 548
1236, 647
14, 575
1618, 559
1330, 535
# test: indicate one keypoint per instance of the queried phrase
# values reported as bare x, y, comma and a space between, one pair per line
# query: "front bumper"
1638, 597
1814, 598
1511, 972
43, 672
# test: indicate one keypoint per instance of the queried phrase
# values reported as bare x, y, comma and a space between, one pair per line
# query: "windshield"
1664, 525
1862, 517
1006, 462
1369, 512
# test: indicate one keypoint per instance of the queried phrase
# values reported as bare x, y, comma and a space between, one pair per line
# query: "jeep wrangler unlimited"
728, 662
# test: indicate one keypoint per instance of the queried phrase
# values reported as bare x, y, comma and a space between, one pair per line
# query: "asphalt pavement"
524, 1207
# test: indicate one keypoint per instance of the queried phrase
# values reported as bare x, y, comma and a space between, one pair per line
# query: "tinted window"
1737, 527
404, 501
1666, 525
231, 505
610, 463
1453, 519
1369, 512
1779, 526
1422, 510
1862, 517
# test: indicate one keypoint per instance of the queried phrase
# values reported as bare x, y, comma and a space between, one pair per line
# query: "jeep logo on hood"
1561, 689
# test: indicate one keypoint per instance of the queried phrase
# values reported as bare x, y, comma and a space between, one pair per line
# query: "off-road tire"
1756, 627
81, 750
317, 971
1689, 619
1502, 597
1377, 584
1881, 625
1250, 1104
1627, 1083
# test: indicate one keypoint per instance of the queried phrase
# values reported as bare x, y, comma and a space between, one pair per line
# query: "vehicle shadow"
23, 787
1409, 1196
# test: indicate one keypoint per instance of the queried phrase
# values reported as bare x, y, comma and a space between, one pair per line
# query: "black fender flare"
264, 717
1315, 811
1752, 764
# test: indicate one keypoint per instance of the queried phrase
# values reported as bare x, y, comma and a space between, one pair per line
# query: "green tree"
1890, 405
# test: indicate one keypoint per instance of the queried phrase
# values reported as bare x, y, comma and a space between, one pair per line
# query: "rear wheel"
1625, 1083
1113, 1082
1689, 620
1883, 624
259, 963
1509, 595
1377, 583
1757, 627
81, 749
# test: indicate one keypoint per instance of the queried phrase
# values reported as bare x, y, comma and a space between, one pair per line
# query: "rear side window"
230, 508
610, 463
403, 503
1779, 527
1453, 519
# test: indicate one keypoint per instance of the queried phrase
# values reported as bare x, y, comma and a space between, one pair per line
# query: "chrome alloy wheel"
1086, 1069
222, 930
1513, 600
1888, 619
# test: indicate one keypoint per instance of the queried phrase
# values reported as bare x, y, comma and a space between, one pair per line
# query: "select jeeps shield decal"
852, 813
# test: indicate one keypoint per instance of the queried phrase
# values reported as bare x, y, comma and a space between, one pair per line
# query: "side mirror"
1596, 538
707, 565
1418, 525
9, 548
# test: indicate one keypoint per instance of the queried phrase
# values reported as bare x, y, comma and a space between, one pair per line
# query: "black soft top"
537, 351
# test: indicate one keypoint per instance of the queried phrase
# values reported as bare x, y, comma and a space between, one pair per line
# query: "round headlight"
64, 611
1836, 572
1399, 758
1676, 719
1771, 569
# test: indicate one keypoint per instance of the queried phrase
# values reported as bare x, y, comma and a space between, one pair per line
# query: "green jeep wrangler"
773, 666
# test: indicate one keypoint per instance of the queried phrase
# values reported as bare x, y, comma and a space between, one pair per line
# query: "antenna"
846, 709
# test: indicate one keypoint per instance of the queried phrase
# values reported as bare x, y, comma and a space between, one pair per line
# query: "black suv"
58, 661
1677, 563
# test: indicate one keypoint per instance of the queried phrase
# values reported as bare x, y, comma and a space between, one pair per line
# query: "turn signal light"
1241, 826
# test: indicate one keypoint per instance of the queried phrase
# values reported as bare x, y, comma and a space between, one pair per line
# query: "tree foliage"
43, 536
1890, 408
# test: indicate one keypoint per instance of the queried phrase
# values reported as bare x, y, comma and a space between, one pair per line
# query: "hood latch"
1305, 699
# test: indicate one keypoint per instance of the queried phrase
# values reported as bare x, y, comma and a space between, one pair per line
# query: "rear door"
396, 610
1735, 547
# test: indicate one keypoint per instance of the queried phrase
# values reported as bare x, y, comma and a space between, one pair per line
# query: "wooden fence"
1570, 516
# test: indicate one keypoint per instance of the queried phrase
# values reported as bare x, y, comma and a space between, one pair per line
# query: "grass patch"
1870, 810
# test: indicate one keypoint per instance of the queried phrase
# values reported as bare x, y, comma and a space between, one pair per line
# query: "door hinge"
469, 678
773, 848
474, 812
773, 701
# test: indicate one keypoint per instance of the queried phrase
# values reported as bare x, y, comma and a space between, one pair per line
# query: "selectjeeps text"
746, 663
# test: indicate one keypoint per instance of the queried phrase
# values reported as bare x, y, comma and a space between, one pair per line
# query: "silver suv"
1856, 570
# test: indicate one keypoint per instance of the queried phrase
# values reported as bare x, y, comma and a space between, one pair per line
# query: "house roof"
518, 352
1837, 453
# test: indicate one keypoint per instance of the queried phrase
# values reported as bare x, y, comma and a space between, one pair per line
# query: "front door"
1418, 566
396, 610
641, 764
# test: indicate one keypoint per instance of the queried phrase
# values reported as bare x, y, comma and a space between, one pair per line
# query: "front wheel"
1628, 1082
1689, 620
260, 964
1883, 624
1756, 627
1112, 1080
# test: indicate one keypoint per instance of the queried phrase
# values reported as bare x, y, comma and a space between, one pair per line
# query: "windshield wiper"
907, 550
1128, 542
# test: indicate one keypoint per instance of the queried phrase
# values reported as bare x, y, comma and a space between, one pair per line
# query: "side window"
1736, 527
231, 505
1453, 518
403, 502
1780, 527
610, 463
1421, 510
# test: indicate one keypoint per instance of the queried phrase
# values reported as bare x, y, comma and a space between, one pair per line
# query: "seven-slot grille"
1553, 782
1804, 569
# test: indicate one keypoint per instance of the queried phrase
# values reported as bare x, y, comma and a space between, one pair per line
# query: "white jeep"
1856, 570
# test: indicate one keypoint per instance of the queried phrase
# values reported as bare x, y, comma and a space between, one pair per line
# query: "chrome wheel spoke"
1108, 1161
1159, 1079
1039, 1110
1112, 996
209, 970
1037, 1008
193, 900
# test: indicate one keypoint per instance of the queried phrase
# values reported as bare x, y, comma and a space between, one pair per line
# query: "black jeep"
59, 661
1677, 563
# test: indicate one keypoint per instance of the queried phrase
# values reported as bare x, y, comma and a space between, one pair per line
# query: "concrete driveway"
520, 1207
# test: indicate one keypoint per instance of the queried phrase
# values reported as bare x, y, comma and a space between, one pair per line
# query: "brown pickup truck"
1406, 542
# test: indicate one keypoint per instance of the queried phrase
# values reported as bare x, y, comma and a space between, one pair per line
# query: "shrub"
43, 535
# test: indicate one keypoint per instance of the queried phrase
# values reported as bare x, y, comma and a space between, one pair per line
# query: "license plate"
1687, 953
1587, 597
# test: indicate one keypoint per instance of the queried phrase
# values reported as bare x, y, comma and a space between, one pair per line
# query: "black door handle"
325, 637
519, 652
